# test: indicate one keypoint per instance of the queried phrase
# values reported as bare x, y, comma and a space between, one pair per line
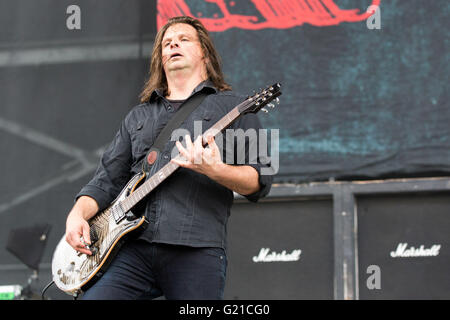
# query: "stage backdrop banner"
363, 97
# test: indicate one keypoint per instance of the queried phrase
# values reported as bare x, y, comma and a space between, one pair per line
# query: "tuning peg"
271, 105
264, 110
277, 100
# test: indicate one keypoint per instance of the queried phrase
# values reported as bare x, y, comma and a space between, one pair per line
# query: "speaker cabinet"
403, 246
280, 250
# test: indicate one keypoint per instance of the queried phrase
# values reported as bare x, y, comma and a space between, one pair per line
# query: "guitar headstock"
262, 99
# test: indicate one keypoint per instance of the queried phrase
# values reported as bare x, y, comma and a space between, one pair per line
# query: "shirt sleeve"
113, 171
251, 148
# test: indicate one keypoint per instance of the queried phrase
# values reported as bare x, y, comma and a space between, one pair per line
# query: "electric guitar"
74, 272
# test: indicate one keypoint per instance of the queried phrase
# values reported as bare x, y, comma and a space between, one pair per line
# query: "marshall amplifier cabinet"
280, 250
403, 246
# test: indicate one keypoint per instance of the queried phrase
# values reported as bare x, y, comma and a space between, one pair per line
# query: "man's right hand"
77, 233
77, 226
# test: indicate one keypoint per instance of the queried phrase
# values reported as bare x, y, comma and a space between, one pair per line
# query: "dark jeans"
146, 271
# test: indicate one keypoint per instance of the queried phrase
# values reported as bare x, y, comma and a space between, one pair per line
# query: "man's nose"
174, 44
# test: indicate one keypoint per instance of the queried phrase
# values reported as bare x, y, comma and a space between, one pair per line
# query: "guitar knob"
94, 250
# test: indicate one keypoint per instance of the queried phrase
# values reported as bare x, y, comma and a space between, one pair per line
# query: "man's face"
181, 49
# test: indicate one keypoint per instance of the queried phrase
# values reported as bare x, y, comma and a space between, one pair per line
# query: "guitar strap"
184, 110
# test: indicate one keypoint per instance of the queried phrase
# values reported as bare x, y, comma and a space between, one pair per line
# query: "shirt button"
166, 156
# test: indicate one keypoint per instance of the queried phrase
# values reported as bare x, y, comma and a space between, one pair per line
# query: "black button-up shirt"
188, 208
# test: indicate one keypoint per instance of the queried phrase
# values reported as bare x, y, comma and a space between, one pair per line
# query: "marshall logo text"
403, 252
266, 256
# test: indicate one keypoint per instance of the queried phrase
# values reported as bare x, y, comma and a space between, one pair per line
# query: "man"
182, 253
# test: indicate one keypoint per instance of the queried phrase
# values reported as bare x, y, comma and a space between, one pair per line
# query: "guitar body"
73, 272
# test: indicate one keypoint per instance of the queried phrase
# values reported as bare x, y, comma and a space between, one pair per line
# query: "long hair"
157, 78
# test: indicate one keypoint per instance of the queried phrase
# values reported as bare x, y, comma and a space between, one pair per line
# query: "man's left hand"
195, 157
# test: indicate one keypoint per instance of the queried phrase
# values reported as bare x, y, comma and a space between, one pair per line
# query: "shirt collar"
206, 85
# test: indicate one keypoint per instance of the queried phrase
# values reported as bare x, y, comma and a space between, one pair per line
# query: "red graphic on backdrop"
278, 14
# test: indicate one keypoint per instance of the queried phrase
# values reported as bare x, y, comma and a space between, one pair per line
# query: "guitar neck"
163, 173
